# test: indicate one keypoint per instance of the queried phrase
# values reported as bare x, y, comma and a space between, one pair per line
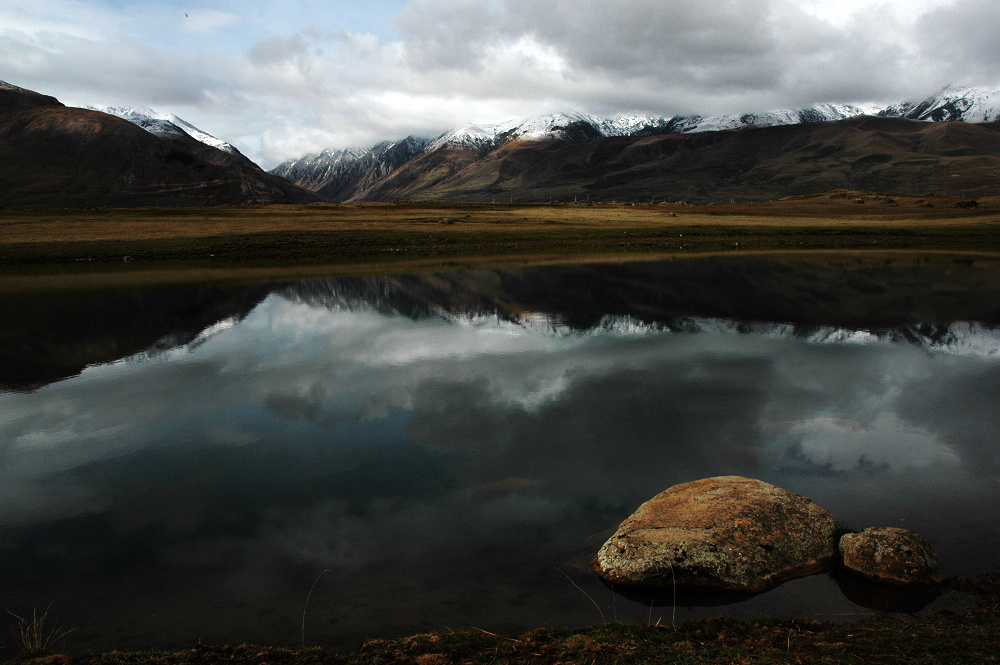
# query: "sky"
283, 79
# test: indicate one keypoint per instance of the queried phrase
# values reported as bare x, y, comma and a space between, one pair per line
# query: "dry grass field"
170, 244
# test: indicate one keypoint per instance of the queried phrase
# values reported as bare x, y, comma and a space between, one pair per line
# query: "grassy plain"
197, 244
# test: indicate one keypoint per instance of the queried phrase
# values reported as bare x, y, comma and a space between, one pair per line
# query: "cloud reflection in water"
390, 447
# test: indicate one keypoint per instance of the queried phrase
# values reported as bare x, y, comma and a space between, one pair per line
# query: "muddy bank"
944, 637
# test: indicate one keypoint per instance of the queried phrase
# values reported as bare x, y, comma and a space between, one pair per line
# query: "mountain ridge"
360, 174
341, 175
948, 143
865, 153
164, 124
52, 155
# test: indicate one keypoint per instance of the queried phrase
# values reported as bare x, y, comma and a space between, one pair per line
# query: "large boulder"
726, 533
891, 555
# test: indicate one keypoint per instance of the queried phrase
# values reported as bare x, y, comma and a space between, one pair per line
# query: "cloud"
279, 52
964, 35
282, 83
207, 22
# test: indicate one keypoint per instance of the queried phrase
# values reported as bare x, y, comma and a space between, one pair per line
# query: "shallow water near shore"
446, 451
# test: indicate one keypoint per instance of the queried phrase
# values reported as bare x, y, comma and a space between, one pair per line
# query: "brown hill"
887, 155
55, 156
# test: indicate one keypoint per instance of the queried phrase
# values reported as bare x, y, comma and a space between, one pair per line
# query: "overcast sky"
280, 79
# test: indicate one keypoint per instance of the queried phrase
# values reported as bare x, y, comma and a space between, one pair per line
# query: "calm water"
452, 449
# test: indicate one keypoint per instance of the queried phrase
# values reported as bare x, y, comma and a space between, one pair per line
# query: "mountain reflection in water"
447, 446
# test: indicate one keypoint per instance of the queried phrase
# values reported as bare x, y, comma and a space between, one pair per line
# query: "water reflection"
444, 456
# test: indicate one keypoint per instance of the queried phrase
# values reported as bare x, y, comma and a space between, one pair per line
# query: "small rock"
726, 533
891, 555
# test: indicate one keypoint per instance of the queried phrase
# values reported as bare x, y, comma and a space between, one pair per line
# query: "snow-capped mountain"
164, 124
341, 174
952, 103
316, 170
347, 174
817, 113
558, 126
52, 155
583, 127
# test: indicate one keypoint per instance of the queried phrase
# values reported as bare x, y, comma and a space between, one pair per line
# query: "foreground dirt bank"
945, 637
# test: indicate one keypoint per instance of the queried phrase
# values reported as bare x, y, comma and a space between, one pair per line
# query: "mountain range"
52, 155
574, 156
947, 144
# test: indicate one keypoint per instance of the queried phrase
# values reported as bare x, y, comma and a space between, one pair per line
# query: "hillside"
579, 156
56, 156
342, 175
863, 153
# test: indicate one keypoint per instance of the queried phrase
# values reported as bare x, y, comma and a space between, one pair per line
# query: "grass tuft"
32, 636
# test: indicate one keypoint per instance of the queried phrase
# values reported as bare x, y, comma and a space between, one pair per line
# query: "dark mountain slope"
13, 98
345, 174
56, 156
867, 153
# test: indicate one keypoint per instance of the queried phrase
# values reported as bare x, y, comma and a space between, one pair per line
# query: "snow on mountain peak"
164, 124
552, 126
951, 103
472, 136
582, 126
826, 112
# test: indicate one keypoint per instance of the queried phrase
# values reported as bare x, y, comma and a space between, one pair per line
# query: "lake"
447, 451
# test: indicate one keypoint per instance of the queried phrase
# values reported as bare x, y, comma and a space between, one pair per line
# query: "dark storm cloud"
965, 36
282, 83
652, 38
679, 56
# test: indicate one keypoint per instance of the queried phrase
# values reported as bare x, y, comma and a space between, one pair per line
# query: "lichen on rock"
891, 555
726, 533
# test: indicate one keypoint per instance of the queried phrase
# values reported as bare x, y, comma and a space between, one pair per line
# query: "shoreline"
48, 278
941, 637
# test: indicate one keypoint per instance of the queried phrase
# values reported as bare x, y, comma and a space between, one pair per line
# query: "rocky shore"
943, 637
744, 536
